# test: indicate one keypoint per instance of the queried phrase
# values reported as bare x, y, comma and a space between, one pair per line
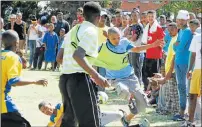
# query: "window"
144, 1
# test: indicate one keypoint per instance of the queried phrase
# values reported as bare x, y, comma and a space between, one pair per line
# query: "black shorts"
13, 119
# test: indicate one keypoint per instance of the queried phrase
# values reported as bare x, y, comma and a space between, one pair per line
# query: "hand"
42, 82
189, 75
158, 43
105, 33
101, 81
157, 75
161, 81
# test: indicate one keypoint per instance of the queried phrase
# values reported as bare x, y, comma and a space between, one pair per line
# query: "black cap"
33, 18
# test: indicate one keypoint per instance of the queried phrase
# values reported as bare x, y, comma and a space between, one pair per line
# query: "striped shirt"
88, 40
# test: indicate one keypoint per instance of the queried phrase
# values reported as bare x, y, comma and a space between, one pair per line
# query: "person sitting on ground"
56, 114
154, 91
11, 66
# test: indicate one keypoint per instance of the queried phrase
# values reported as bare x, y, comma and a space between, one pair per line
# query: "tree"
27, 8
175, 6
68, 8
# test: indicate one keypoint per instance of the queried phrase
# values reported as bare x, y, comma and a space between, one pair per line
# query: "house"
144, 5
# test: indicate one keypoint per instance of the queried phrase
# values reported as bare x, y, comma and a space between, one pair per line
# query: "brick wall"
128, 6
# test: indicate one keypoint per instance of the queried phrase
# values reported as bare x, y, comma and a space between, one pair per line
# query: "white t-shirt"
88, 40
198, 30
39, 42
33, 33
196, 47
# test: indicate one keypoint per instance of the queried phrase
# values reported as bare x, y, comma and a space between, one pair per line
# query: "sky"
42, 3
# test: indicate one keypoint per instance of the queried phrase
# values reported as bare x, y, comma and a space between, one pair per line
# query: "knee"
123, 92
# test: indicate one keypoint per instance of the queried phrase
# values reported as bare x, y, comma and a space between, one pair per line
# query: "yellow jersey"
11, 71
170, 55
54, 118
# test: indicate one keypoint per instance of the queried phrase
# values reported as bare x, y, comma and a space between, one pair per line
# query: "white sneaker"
187, 124
145, 123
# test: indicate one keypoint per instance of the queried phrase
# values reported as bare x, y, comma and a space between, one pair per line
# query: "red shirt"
157, 52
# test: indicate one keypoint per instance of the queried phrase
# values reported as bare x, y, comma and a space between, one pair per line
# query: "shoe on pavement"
178, 117
187, 124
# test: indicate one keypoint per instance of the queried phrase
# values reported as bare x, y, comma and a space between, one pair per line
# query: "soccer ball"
102, 97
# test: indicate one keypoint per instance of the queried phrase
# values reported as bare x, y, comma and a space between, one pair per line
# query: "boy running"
114, 57
76, 85
11, 71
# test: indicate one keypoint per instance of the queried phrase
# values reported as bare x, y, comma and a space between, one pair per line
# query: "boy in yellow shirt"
11, 65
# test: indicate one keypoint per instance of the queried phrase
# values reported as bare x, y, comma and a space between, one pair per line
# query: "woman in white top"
32, 37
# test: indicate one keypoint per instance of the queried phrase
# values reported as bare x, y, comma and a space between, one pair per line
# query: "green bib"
111, 60
106, 58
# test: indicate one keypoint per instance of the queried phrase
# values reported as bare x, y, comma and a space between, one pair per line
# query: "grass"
27, 99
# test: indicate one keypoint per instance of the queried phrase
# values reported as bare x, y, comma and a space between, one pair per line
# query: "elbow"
75, 56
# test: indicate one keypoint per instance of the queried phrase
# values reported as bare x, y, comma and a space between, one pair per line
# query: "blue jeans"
181, 77
136, 60
32, 47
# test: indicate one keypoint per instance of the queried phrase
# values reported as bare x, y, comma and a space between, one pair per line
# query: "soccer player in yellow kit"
11, 71
56, 114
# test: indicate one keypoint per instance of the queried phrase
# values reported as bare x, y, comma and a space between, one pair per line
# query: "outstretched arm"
145, 47
42, 82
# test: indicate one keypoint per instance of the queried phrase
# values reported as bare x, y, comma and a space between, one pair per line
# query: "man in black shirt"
61, 23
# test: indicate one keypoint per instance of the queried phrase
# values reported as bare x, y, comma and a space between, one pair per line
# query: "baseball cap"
62, 29
103, 13
183, 14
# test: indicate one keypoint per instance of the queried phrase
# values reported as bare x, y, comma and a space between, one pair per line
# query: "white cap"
183, 14
199, 15
103, 13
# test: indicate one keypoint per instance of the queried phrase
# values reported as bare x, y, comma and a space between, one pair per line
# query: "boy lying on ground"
56, 114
